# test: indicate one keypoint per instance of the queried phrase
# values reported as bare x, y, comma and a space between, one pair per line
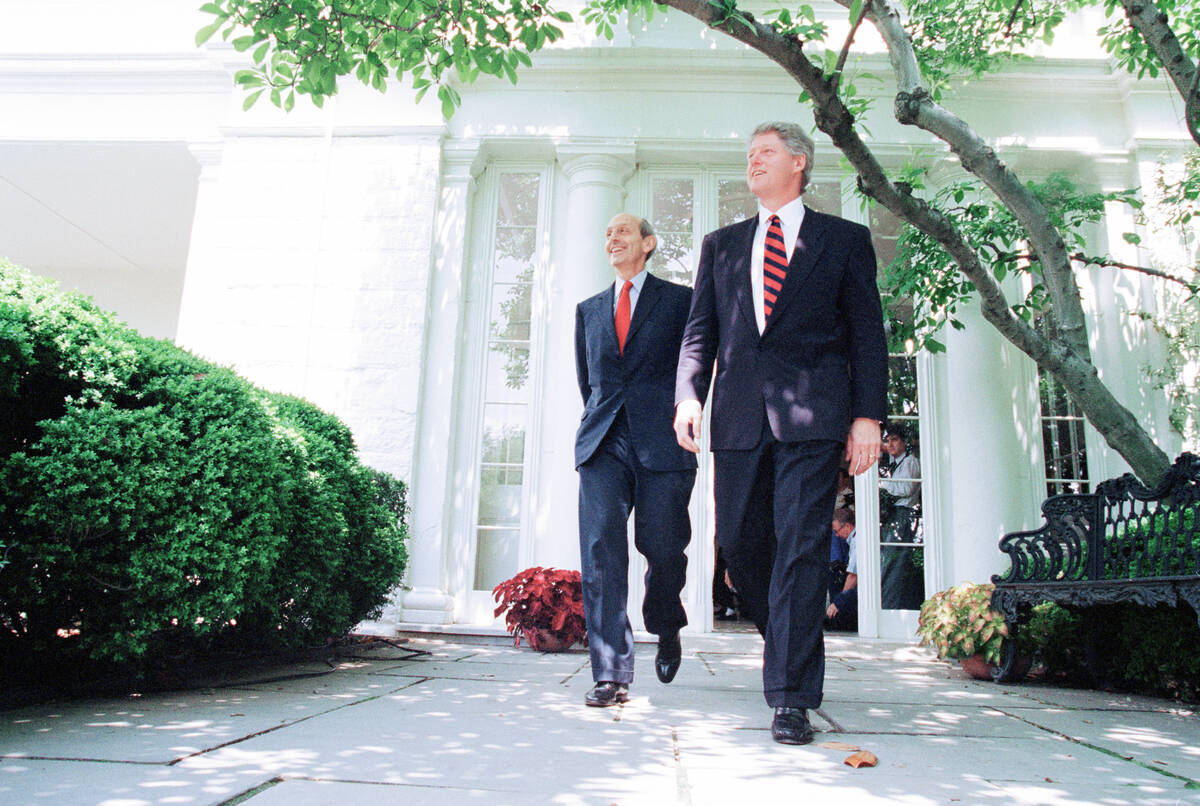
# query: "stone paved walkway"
473, 720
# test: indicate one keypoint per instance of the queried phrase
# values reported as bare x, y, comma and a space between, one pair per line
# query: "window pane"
1063, 439
514, 254
885, 229
495, 556
902, 386
518, 200
672, 205
507, 372
673, 257
671, 214
511, 311
735, 202
503, 434
499, 503
901, 524
824, 197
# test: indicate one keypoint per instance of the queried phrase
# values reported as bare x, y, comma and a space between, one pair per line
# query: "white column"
202, 276
596, 174
428, 601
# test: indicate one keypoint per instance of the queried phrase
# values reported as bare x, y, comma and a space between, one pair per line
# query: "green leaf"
856, 8
261, 52
250, 99
1132, 237
205, 33
289, 101
243, 43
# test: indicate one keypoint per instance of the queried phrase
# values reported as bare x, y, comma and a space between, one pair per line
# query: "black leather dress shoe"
666, 662
606, 693
791, 726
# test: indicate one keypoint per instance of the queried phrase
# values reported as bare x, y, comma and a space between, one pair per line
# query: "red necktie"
774, 265
623, 315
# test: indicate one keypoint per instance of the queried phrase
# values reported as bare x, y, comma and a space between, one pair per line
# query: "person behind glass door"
842, 611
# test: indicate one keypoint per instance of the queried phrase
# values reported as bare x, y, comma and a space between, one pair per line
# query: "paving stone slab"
84, 783
924, 720
294, 792
458, 733
162, 728
750, 754
873, 787
503, 672
1170, 741
1042, 695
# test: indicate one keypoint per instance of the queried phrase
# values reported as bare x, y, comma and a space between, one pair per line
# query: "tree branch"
1155, 29
841, 62
1105, 262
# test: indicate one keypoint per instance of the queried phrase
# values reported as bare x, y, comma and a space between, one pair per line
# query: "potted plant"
543, 605
960, 624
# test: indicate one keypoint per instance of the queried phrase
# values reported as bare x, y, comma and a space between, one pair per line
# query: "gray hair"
795, 140
647, 230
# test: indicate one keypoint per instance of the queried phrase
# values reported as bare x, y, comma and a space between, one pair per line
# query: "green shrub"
1150, 649
153, 504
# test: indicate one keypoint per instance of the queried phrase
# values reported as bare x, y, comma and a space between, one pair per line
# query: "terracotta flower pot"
541, 640
977, 667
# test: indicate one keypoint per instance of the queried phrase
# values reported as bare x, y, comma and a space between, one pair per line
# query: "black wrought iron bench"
1123, 543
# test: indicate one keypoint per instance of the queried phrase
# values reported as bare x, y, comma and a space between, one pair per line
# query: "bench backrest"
1122, 531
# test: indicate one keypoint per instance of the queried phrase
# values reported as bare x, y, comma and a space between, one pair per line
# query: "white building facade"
418, 277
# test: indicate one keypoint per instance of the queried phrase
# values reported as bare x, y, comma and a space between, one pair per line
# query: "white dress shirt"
791, 216
639, 280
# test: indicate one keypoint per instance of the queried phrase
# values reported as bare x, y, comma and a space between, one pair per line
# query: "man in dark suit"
786, 305
627, 341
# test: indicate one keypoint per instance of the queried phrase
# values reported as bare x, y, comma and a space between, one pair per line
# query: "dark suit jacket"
642, 380
822, 359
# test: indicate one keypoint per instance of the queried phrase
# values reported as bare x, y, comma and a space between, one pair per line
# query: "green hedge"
1155, 650
153, 504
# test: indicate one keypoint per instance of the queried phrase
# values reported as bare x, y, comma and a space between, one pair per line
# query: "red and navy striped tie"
774, 265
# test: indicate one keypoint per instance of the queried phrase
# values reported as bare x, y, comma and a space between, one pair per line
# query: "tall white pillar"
429, 600
596, 176
202, 277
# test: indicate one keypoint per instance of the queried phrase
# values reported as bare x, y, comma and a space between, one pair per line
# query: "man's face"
624, 244
842, 529
771, 170
895, 445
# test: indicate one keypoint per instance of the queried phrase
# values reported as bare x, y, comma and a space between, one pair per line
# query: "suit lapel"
809, 246
743, 245
647, 297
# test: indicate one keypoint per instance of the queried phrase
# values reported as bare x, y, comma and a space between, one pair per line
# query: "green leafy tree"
305, 45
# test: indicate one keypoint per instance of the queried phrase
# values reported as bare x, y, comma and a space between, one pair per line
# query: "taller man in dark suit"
627, 341
786, 305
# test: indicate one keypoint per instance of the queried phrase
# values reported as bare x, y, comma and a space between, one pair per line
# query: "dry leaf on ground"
839, 746
863, 758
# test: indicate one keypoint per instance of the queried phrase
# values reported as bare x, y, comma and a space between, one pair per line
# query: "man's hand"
687, 425
831, 611
862, 444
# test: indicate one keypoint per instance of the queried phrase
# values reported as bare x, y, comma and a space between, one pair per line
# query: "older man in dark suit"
627, 341
786, 305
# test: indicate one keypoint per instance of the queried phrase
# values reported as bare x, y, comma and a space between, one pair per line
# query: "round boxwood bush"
153, 504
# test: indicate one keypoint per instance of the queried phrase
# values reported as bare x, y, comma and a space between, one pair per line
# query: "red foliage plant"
541, 604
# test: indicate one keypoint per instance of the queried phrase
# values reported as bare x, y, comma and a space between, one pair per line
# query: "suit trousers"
774, 507
611, 484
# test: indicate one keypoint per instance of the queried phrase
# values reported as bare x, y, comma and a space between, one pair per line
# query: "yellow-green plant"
960, 622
